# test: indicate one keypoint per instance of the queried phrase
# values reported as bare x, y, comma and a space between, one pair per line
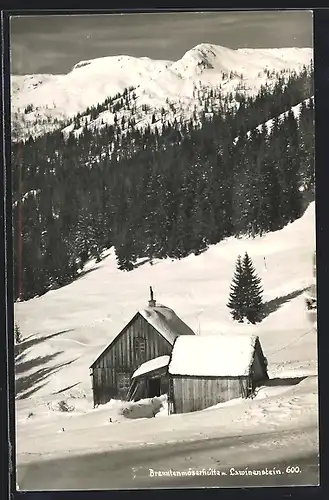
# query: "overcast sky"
53, 44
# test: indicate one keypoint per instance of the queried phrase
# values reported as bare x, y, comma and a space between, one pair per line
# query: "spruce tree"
236, 298
252, 291
125, 251
245, 299
124, 263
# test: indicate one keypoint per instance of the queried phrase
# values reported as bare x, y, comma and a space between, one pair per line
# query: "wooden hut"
150, 379
149, 334
206, 370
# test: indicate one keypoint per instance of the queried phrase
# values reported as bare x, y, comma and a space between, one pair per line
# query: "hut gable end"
137, 335
162, 320
115, 339
148, 335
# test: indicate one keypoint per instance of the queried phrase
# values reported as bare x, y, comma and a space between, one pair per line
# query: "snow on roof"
213, 355
151, 365
166, 322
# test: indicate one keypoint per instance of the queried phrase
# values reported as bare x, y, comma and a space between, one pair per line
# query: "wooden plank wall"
193, 393
122, 357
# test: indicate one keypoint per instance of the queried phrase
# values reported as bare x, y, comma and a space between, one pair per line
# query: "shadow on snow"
273, 305
26, 344
26, 385
277, 381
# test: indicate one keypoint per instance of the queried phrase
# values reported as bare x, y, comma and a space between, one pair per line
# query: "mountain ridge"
39, 102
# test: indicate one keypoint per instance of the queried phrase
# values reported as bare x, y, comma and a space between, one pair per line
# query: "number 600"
292, 470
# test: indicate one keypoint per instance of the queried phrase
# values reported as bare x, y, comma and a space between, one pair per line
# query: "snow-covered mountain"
40, 101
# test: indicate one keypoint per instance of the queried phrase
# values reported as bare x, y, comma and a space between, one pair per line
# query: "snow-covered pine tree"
252, 291
125, 250
237, 295
123, 261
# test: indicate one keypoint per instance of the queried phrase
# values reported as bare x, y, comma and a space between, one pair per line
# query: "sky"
54, 44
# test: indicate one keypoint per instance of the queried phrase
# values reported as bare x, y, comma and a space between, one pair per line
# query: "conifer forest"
168, 190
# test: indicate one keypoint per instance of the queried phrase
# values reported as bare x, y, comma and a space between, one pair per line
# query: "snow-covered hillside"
269, 124
40, 101
65, 329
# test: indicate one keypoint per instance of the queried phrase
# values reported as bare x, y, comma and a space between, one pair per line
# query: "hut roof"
163, 319
166, 322
213, 355
151, 365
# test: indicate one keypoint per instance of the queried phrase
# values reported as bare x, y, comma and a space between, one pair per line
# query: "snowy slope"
268, 125
77, 321
66, 329
157, 82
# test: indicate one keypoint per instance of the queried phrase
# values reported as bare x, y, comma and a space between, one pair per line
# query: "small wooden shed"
149, 334
211, 369
150, 379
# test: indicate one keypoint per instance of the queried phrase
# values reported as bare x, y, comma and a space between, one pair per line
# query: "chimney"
152, 302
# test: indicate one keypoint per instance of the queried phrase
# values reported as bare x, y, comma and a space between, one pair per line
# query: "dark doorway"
154, 387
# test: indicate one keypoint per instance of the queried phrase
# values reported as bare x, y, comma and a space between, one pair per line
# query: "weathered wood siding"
122, 358
189, 394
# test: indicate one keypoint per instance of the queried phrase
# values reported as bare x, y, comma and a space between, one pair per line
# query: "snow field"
289, 410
